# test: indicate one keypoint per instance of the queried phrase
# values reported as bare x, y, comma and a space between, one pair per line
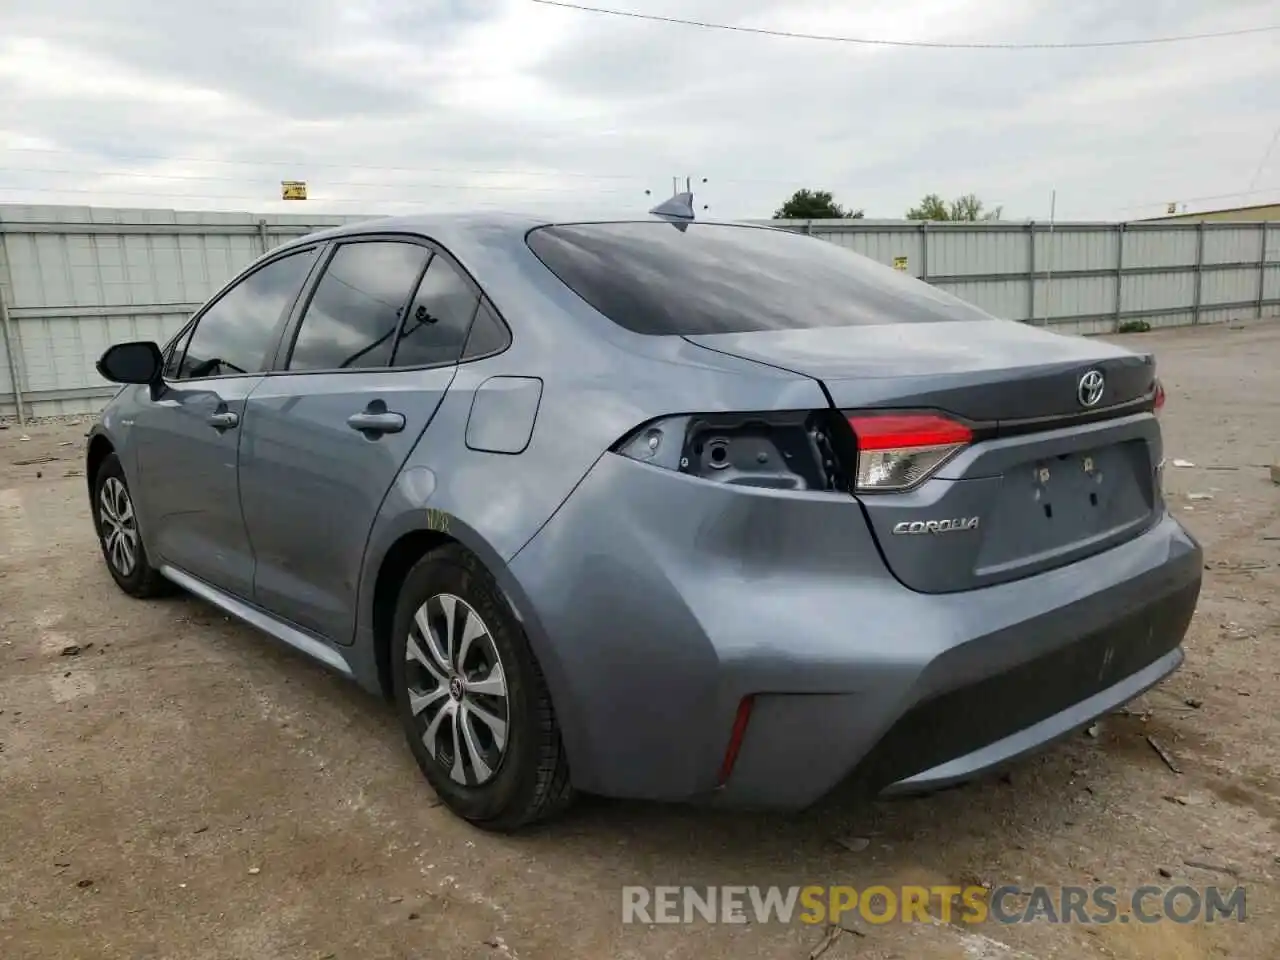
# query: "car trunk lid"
988, 371
1062, 460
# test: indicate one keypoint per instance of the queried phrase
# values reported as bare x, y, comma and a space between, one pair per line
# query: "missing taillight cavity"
777, 450
787, 451
898, 451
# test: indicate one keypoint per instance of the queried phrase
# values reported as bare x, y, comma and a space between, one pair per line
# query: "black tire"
138, 579
530, 779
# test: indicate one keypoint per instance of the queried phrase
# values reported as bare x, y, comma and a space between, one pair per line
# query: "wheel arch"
100, 447
386, 570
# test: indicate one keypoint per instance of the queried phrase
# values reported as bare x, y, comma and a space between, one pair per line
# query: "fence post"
924, 250
1031, 272
1119, 273
1262, 269
262, 235
11, 352
1195, 303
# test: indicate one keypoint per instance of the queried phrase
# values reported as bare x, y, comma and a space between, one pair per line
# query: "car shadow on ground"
933, 839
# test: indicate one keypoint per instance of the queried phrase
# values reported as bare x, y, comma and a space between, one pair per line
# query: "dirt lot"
183, 788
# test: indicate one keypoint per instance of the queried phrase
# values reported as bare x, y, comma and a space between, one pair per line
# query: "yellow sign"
293, 190
900, 263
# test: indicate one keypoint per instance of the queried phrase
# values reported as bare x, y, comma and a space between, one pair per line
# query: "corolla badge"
1089, 392
936, 526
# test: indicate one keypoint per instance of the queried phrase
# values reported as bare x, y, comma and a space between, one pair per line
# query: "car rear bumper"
1037, 734
657, 602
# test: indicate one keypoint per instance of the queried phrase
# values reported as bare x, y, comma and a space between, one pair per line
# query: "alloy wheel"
118, 526
457, 689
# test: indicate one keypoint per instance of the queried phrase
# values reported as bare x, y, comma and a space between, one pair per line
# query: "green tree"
966, 208
814, 205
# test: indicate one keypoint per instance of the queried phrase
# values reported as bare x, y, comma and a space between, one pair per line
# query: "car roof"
463, 231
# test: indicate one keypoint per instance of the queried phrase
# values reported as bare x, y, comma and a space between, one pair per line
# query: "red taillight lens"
1158, 404
897, 451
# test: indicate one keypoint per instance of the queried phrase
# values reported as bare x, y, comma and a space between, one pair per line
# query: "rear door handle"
375, 423
223, 421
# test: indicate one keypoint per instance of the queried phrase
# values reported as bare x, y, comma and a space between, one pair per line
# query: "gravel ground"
183, 788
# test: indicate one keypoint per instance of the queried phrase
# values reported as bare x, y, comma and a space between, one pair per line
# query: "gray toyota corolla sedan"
654, 508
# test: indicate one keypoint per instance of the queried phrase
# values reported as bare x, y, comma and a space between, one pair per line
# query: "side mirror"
137, 362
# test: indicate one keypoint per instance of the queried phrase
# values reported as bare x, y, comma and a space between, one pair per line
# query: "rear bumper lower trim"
1038, 735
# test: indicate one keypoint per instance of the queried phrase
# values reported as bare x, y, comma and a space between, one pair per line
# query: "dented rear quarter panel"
599, 382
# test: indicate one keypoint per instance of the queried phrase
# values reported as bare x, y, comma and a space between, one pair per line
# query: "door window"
488, 335
352, 319
174, 354
234, 335
439, 318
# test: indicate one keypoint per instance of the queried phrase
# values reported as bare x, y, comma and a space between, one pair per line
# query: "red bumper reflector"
735, 739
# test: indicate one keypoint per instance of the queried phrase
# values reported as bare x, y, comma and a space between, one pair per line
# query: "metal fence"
1083, 277
75, 279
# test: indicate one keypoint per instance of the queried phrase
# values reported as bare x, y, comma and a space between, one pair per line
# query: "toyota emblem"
1090, 390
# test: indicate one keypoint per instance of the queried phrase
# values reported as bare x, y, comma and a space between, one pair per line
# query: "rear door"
325, 436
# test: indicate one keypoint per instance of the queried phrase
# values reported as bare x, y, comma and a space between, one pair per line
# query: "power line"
1262, 164
876, 42
1211, 196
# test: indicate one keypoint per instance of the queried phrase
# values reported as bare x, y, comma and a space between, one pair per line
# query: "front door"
326, 437
188, 436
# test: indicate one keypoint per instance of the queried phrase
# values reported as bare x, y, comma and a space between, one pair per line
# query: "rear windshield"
661, 278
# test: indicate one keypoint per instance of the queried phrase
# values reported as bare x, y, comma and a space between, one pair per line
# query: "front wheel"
472, 698
116, 522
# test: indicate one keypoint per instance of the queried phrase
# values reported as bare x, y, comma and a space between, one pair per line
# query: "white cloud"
393, 104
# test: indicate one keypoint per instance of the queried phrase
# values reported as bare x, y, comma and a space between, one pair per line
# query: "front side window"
439, 318
353, 317
234, 335
173, 356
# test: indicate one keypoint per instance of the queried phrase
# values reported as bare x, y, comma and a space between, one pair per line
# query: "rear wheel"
472, 698
116, 521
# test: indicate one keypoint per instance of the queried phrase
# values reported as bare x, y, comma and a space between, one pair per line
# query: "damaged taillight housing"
851, 452
898, 451
788, 450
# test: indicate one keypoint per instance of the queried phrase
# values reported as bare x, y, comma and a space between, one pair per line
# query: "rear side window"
488, 335
654, 277
439, 318
354, 314
233, 336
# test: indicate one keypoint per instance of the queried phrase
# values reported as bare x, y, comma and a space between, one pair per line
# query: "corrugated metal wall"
1083, 277
76, 279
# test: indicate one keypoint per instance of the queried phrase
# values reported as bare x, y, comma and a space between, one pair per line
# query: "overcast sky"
401, 105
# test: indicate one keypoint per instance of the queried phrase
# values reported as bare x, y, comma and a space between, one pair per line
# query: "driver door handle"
224, 421
367, 422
